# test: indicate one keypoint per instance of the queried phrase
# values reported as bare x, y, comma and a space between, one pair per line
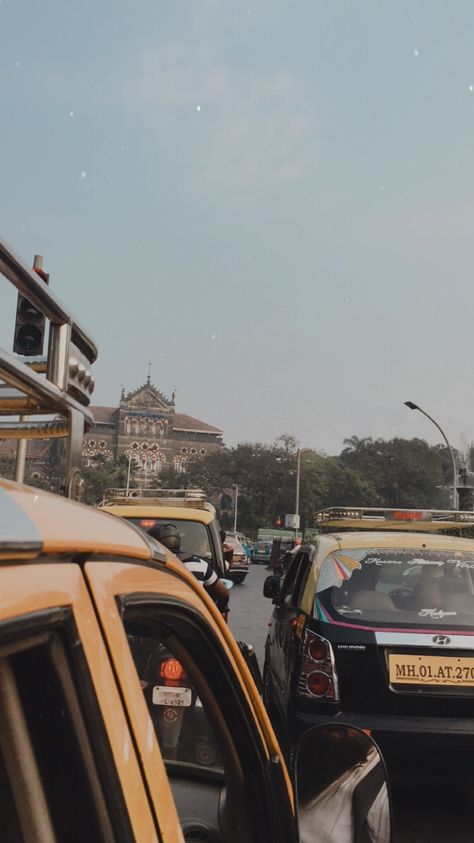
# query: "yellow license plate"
431, 670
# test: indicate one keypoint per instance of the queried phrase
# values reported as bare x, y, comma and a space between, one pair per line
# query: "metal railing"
58, 383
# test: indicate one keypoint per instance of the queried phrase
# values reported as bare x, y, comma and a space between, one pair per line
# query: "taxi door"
68, 765
285, 618
223, 764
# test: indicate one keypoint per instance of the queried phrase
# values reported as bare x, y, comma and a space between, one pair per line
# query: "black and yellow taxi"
187, 509
373, 625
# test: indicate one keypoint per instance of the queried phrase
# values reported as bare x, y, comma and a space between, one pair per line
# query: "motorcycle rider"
169, 536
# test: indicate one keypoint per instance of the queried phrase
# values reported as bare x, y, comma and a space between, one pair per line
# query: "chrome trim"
425, 639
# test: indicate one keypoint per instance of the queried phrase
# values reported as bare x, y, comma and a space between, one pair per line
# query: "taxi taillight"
318, 683
318, 677
318, 650
171, 672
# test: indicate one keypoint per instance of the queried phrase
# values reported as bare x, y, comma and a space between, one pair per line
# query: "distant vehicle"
244, 541
262, 551
187, 509
239, 564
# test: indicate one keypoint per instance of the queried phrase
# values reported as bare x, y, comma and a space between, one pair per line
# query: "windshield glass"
194, 535
394, 587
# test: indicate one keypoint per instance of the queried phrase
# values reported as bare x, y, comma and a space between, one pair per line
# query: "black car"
376, 629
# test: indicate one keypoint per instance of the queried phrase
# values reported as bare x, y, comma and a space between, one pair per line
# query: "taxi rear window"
194, 535
397, 587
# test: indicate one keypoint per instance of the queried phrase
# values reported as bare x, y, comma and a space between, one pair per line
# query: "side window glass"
205, 739
289, 582
49, 784
181, 724
300, 580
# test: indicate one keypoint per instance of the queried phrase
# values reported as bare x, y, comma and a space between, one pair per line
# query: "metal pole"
413, 406
298, 476
22, 443
235, 507
21, 456
129, 467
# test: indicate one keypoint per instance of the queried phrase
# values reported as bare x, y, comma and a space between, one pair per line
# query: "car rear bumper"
237, 571
442, 726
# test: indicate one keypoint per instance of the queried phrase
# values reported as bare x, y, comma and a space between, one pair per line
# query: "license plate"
431, 670
176, 697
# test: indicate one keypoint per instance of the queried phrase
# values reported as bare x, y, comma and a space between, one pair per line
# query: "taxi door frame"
111, 583
50, 586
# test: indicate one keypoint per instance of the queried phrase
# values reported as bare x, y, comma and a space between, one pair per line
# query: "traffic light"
278, 521
29, 322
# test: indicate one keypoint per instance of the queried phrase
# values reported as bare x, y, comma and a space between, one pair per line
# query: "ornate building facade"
147, 429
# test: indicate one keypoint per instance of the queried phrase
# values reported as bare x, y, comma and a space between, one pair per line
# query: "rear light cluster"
318, 678
171, 672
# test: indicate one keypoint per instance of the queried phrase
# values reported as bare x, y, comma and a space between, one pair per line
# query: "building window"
179, 464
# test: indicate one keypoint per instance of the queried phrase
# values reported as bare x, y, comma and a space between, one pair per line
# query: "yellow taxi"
85, 600
187, 509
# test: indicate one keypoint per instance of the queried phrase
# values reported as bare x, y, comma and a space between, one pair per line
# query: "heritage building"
147, 429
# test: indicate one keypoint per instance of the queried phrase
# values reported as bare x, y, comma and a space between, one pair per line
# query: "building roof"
103, 415
182, 422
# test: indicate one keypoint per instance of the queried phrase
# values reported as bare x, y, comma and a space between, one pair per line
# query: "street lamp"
236, 499
413, 406
297, 501
298, 478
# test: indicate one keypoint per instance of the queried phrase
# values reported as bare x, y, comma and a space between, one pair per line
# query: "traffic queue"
128, 710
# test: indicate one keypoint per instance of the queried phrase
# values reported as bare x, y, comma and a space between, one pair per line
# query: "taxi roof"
367, 539
159, 511
33, 521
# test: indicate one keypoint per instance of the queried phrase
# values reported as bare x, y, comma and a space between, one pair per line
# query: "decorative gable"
149, 399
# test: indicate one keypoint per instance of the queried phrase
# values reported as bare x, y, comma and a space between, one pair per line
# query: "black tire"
239, 580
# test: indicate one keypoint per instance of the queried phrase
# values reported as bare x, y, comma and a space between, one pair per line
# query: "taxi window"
49, 779
295, 580
205, 732
195, 539
400, 586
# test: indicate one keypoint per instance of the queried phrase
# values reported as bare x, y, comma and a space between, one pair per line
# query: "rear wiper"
346, 610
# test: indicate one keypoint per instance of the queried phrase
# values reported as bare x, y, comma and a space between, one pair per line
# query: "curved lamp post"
413, 406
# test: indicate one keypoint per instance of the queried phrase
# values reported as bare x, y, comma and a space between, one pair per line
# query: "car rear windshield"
194, 535
402, 587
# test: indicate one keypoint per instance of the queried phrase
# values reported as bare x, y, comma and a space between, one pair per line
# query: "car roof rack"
57, 384
191, 498
378, 518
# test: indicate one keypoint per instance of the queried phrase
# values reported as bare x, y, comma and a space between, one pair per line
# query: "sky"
271, 201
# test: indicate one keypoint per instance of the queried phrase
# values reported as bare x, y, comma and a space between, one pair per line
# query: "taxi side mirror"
271, 587
341, 786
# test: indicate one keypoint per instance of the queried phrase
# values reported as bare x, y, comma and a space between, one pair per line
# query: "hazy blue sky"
272, 201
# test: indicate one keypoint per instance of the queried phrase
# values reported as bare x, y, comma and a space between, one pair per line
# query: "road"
250, 611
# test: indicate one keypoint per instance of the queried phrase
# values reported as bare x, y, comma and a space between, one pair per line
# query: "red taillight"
147, 522
318, 683
171, 672
318, 677
318, 650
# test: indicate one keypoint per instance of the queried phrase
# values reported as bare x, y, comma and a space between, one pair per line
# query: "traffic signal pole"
23, 443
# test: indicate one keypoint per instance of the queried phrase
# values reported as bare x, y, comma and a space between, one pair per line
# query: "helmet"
168, 535
297, 542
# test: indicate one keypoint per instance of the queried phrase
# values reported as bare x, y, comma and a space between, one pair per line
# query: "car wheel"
239, 580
